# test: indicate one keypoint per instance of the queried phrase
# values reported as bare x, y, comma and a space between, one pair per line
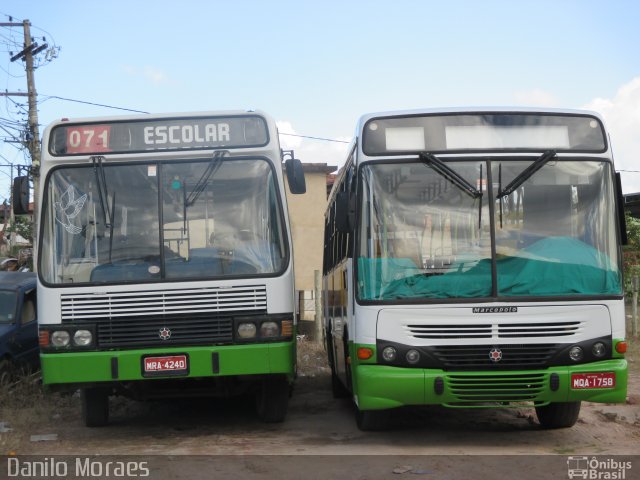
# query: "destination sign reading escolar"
158, 134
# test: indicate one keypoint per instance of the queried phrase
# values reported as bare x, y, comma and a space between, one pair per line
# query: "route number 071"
87, 139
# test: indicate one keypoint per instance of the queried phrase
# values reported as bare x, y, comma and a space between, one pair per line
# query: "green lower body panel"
127, 365
380, 387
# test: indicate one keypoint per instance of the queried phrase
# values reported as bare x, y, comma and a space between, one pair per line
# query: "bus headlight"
598, 349
389, 354
576, 354
269, 329
413, 356
247, 330
60, 338
82, 338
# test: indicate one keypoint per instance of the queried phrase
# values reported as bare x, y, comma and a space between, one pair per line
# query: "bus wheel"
558, 415
95, 406
373, 420
272, 399
337, 388
347, 364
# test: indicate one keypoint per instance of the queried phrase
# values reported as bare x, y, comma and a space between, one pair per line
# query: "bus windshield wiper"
108, 211
450, 174
447, 172
527, 173
101, 183
212, 168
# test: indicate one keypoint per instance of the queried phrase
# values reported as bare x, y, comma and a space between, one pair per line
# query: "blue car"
18, 323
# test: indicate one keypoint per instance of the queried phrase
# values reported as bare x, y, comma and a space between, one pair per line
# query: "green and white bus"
472, 258
165, 259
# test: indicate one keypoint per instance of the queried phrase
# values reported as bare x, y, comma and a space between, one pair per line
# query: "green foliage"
23, 227
631, 252
633, 231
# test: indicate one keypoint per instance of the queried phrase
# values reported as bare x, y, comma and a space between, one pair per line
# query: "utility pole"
32, 140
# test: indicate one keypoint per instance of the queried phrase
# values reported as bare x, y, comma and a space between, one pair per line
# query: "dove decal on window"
68, 208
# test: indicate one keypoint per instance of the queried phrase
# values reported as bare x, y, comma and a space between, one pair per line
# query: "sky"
317, 66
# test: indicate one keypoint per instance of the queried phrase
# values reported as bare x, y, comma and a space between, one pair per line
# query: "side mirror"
295, 176
20, 195
345, 212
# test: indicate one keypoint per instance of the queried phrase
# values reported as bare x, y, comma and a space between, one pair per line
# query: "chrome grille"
145, 331
473, 389
495, 331
88, 306
468, 357
194, 316
450, 331
559, 329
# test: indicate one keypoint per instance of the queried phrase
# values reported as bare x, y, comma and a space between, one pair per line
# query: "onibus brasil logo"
596, 468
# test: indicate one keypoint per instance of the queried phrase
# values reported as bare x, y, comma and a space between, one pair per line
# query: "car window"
29, 307
7, 306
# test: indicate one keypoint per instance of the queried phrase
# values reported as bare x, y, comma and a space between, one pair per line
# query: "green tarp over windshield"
550, 267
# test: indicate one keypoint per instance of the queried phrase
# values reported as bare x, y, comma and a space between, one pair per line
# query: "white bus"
165, 259
472, 258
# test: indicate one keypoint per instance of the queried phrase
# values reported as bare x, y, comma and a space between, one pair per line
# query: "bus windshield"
422, 237
117, 223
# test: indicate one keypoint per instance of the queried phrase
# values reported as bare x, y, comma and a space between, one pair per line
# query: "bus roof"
161, 133
164, 115
474, 110
480, 130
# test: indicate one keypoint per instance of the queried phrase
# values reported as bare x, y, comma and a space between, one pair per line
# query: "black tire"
558, 415
347, 363
272, 399
373, 420
95, 406
337, 388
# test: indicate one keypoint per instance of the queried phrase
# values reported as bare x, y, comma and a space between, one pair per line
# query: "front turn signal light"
286, 328
364, 353
621, 347
43, 338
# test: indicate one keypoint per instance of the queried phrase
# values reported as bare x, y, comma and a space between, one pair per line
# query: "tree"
631, 252
633, 231
23, 227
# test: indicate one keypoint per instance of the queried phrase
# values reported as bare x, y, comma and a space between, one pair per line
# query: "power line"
92, 103
141, 111
56, 97
314, 138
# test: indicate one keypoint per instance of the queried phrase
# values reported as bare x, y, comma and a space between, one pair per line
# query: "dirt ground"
49, 424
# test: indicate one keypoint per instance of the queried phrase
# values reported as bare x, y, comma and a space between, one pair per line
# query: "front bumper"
126, 365
381, 387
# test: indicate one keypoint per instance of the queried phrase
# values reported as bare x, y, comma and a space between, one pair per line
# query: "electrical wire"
314, 138
56, 97
92, 103
10, 41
